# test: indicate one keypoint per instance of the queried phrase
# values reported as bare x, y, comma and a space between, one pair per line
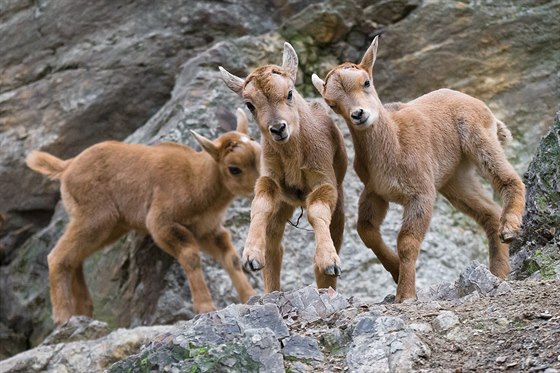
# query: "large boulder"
73, 73
536, 253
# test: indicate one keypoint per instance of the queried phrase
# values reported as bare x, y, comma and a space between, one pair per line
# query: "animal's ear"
369, 58
233, 82
318, 83
242, 122
290, 61
207, 145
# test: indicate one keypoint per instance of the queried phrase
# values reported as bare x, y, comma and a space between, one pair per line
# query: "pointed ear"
242, 122
318, 83
290, 61
233, 82
369, 58
207, 145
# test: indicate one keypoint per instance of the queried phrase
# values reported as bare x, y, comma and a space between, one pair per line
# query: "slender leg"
371, 212
416, 220
264, 204
179, 242
336, 229
321, 204
273, 247
488, 154
69, 295
220, 247
84, 304
467, 195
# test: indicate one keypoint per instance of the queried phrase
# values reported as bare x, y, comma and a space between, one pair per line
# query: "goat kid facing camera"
304, 163
176, 194
408, 152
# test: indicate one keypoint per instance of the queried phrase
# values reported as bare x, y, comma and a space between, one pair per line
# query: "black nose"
357, 114
278, 129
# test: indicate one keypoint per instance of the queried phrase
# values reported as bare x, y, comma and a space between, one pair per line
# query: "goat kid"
407, 152
304, 163
170, 191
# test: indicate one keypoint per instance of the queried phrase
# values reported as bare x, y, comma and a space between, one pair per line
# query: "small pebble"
545, 315
501, 359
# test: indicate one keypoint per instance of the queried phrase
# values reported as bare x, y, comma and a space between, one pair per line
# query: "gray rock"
445, 321
78, 328
421, 327
83, 356
477, 277
386, 346
301, 348
237, 338
536, 253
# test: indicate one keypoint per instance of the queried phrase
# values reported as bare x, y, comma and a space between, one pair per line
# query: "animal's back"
123, 177
451, 123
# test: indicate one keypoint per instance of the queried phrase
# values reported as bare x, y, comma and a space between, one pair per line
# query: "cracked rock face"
148, 73
536, 252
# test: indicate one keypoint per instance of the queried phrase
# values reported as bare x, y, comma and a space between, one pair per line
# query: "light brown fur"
174, 193
304, 163
407, 152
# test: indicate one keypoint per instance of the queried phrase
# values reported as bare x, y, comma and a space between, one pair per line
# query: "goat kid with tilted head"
407, 152
304, 163
170, 191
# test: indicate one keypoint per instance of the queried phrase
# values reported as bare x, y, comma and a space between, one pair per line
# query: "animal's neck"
380, 141
215, 192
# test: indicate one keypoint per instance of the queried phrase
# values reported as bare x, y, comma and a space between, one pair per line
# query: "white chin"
371, 120
281, 140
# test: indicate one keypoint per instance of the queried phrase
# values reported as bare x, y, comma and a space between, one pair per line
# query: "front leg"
371, 212
263, 205
218, 244
416, 220
321, 203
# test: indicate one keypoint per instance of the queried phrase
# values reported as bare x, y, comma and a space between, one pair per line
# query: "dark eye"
290, 95
367, 83
250, 106
234, 170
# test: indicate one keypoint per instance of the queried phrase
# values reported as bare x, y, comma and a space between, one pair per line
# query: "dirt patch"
517, 331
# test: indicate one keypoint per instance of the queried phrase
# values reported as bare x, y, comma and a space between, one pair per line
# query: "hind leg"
466, 194
84, 304
487, 153
69, 295
336, 229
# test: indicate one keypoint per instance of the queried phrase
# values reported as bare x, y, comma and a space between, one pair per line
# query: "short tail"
47, 164
504, 134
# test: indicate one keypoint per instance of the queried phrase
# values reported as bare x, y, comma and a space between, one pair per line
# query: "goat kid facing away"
407, 152
170, 191
304, 163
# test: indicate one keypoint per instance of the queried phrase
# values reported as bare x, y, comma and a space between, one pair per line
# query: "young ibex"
304, 163
170, 191
406, 152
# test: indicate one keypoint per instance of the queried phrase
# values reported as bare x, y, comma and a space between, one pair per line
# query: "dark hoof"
333, 270
252, 265
507, 237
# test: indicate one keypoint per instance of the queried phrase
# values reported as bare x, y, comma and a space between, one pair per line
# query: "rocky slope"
477, 323
149, 73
